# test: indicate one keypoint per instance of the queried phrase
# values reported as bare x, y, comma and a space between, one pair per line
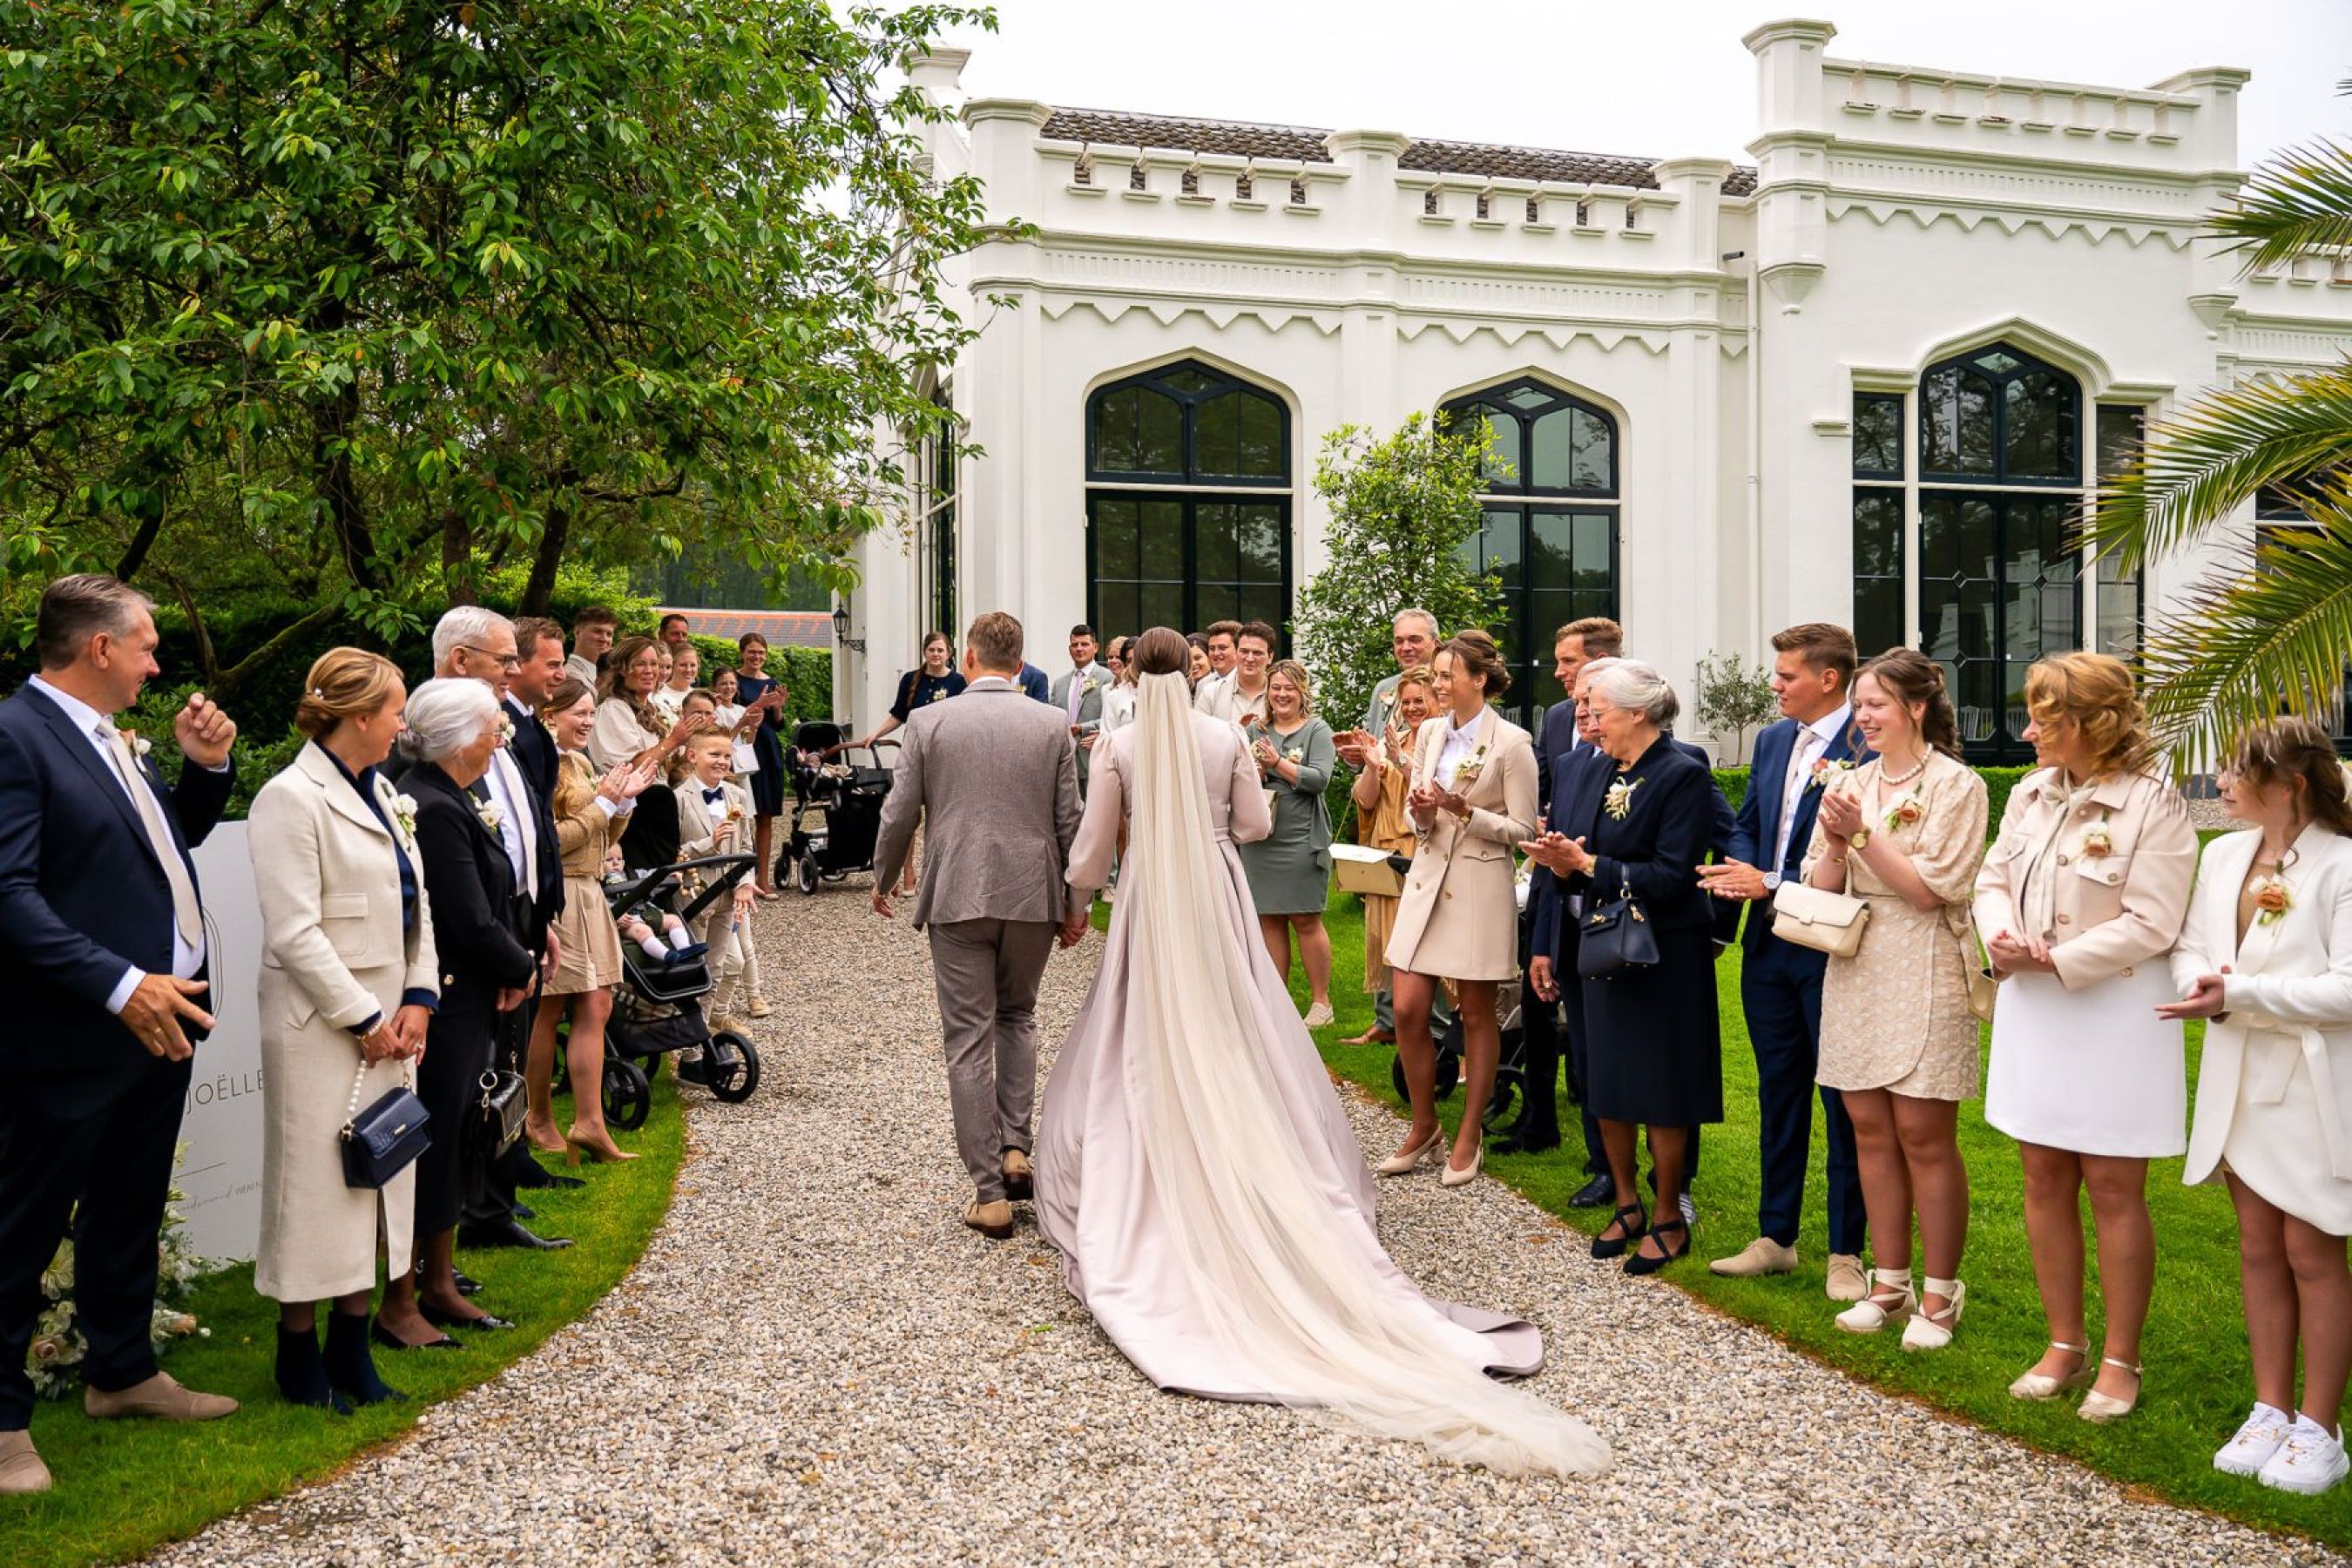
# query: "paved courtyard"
816, 1363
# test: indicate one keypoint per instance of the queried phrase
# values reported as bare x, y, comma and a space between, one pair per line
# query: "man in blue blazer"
1780, 984
105, 972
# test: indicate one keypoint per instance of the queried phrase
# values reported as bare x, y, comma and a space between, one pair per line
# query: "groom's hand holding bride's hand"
1074, 928
882, 903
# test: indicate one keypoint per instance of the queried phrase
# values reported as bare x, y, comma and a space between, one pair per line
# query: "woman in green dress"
1289, 870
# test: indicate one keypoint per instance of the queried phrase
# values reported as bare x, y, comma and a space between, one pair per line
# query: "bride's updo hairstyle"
1161, 651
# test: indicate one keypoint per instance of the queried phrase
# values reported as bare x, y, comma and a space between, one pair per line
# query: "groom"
996, 777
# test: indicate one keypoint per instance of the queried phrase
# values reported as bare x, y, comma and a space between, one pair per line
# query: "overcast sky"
1650, 77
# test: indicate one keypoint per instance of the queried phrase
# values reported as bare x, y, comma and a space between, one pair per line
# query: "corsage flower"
1619, 802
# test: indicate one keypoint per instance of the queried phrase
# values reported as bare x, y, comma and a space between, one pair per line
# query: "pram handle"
726, 871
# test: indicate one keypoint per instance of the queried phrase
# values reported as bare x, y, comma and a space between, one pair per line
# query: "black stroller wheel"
1505, 1101
1449, 1073
733, 1063
808, 875
628, 1098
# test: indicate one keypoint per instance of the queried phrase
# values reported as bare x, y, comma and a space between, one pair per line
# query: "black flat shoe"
466, 1284
1598, 1192
485, 1323
523, 1211
1640, 1264
393, 1342
1616, 1246
507, 1233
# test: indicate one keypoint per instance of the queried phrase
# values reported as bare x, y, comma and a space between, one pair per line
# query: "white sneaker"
1318, 1015
2263, 1436
2310, 1461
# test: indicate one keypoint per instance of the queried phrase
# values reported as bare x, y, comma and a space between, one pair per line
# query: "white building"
1867, 379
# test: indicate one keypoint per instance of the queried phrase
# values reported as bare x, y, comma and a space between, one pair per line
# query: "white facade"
1894, 218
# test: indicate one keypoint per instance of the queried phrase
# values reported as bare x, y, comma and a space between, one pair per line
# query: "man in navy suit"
1780, 984
105, 971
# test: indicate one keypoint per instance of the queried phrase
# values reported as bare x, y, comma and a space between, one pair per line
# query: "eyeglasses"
506, 660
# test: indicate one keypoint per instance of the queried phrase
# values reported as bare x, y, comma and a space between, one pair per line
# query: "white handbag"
1816, 918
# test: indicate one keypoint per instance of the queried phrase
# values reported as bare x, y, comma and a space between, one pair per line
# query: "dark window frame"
1189, 583
2027, 364
1188, 402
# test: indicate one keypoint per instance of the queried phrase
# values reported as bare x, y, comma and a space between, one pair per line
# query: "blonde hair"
2093, 691
1295, 673
344, 683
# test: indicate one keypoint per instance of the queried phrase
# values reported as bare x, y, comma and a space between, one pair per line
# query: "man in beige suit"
995, 776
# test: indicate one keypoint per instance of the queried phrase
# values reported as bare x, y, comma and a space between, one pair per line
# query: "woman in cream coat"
1473, 798
348, 975
2080, 898
2267, 960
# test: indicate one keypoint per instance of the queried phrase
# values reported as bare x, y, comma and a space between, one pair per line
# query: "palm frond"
2245, 645
2199, 466
2296, 203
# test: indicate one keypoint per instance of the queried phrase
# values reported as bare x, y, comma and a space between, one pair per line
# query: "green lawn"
125, 1487
2199, 1387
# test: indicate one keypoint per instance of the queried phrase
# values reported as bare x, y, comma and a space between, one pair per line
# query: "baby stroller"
836, 808
657, 1008
1510, 1067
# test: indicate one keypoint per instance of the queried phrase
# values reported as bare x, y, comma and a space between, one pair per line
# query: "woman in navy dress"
756, 689
931, 682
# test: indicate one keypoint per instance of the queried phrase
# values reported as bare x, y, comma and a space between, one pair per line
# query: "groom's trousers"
987, 972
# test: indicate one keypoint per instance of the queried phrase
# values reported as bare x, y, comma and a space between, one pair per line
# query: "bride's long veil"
1263, 1249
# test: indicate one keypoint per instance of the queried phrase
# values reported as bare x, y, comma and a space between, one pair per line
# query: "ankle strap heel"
1891, 1300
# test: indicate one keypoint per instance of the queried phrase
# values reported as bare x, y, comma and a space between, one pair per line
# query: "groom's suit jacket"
995, 777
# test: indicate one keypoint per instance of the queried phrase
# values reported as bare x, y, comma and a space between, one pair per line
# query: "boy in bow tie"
713, 812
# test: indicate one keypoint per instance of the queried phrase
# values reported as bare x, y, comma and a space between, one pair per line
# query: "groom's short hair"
995, 639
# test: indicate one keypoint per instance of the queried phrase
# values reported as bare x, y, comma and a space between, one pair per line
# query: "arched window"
1551, 527
1188, 501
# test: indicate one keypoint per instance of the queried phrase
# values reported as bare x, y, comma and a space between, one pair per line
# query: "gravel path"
816, 1363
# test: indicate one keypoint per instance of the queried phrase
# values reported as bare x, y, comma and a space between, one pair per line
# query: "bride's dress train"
1195, 1168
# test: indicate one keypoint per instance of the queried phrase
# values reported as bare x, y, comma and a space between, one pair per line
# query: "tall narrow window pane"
1592, 461
1877, 437
2037, 419
1548, 447
1956, 423
1877, 570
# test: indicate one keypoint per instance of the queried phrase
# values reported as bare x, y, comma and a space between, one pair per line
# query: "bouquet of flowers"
57, 1346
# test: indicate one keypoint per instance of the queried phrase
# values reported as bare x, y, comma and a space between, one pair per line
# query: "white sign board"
221, 1170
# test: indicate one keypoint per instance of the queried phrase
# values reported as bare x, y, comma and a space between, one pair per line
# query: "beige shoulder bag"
1816, 918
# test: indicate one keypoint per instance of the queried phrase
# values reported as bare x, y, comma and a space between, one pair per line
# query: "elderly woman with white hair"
481, 926
1627, 846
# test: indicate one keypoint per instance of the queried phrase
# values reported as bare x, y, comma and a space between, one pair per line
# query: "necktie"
187, 916
1078, 692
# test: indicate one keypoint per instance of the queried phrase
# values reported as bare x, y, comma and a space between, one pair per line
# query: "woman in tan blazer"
348, 973
1473, 798
2082, 894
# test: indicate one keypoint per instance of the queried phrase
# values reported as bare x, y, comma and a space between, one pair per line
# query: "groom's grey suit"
995, 777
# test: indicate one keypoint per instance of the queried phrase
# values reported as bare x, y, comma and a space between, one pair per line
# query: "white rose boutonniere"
1619, 802
140, 744
1472, 766
403, 813
490, 815
1088, 685
506, 726
1827, 773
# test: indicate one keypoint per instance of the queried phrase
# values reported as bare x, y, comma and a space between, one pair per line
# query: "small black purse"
386, 1138
1616, 936
497, 1122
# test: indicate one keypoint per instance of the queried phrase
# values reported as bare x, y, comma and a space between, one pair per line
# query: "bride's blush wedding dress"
1195, 1168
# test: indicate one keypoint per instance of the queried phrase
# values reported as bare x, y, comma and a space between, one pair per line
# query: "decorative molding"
2134, 232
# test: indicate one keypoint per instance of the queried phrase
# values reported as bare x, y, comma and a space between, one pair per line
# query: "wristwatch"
1859, 839
1772, 881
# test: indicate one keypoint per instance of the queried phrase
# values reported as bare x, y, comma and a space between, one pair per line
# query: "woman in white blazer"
348, 984
2267, 960
1473, 800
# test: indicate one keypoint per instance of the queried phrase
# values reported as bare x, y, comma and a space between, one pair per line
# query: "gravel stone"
816, 1363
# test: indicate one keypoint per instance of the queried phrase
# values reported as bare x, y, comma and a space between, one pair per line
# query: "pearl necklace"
1917, 768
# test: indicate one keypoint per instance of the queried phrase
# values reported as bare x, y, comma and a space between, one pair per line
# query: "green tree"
1403, 532
2276, 629
357, 303
1736, 696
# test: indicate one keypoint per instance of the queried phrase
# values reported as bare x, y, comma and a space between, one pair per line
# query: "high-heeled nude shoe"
604, 1153
2041, 1385
1891, 1300
1450, 1177
1404, 1161
1933, 1331
552, 1144
2104, 1407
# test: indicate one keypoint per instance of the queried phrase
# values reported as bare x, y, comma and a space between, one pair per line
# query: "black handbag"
1616, 936
497, 1122
386, 1138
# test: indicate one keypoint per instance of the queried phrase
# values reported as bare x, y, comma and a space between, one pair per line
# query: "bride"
1195, 1168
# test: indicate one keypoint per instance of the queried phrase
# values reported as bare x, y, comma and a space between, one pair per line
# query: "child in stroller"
658, 1008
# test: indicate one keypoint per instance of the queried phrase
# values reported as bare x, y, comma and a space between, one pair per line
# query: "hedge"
1999, 782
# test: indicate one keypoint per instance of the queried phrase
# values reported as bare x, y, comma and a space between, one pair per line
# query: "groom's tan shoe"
21, 1471
158, 1398
1761, 1256
993, 1221
1018, 1176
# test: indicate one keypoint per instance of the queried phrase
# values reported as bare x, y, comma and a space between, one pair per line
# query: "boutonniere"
1905, 812
1088, 684
2096, 840
506, 726
140, 744
1826, 773
939, 694
1619, 802
489, 814
2271, 900
404, 812
1472, 766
